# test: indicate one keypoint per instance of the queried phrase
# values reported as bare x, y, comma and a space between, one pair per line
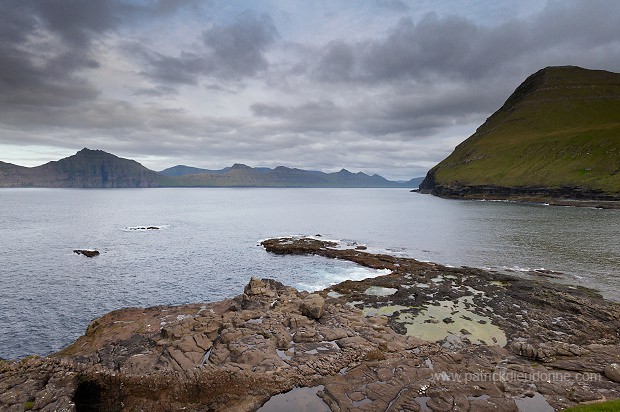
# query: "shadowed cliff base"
424, 337
561, 196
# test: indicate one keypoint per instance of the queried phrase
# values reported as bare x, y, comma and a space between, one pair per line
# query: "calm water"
207, 247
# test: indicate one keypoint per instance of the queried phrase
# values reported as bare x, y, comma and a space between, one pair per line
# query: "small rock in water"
545, 272
86, 252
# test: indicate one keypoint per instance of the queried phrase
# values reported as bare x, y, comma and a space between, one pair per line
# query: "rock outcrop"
87, 252
377, 344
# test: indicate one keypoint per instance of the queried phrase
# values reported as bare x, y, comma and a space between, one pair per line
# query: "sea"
207, 246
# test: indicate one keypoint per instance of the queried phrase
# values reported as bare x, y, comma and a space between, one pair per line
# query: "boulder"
313, 306
612, 372
257, 287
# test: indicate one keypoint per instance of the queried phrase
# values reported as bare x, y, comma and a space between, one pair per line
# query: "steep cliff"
86, 169
557, 135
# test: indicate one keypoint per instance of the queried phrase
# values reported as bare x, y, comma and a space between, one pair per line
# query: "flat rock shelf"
424, 337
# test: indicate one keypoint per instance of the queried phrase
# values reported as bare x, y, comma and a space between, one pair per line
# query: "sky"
379, 86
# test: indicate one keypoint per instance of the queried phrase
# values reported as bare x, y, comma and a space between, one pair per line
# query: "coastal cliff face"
86, 169
557, 136
423, 337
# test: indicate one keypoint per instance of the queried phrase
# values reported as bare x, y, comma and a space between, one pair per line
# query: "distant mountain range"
182, 170
557, 136
98, 169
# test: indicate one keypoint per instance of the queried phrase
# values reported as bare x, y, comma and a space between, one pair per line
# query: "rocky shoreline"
423, 338
560, 196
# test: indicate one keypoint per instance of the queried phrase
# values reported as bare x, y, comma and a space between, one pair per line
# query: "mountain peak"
240, 166
88, 153
557, 82
86, 150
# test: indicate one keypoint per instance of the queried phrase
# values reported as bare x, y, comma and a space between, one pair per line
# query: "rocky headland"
554, 140
424, 337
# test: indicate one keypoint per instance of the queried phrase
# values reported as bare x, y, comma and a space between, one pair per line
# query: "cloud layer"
387, 87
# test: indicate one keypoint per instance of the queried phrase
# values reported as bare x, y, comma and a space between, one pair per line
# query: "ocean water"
207, 247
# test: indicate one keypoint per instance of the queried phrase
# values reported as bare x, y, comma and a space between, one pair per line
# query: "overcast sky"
381, 86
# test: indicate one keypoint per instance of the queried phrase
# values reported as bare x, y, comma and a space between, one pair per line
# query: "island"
421, 337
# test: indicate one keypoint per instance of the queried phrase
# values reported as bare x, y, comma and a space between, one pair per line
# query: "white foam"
516, 269
332, 277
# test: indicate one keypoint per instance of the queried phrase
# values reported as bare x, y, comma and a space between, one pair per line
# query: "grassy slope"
560, 128
609, 406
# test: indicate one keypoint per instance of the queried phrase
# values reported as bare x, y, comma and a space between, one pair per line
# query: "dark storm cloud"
47, 47
338, 62
454, 46
35, 71
439, 72
77, 21
230, 52
239, 48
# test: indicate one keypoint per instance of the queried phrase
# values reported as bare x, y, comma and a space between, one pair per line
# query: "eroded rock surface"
425, 337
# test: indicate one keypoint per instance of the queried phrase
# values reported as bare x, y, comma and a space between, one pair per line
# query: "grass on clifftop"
610, 406
561, 127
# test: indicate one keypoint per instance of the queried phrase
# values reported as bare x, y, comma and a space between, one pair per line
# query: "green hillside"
558, 134
240, 175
